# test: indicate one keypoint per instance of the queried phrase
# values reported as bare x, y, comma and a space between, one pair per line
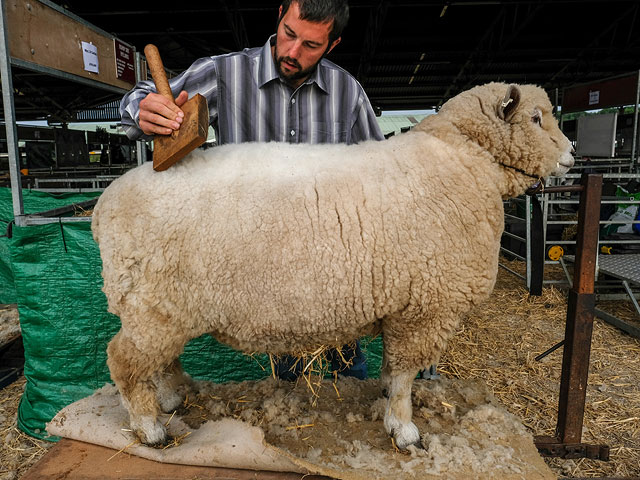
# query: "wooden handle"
157, 71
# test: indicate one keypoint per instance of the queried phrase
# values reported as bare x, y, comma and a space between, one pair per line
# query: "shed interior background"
408, 54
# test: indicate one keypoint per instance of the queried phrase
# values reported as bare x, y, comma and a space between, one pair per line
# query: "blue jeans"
285, 367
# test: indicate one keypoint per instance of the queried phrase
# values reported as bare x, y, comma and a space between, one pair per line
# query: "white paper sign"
594, 97
90, 56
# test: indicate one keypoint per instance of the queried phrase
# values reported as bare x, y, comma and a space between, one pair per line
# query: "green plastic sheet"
66, 327
33, 202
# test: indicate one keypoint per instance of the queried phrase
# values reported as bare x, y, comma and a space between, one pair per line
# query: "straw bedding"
497, 344
9, 324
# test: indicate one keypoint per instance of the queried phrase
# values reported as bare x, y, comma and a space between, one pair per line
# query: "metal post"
527, 216
581, 302
562, 112
577, 339
10, 120
141, 145
635, 159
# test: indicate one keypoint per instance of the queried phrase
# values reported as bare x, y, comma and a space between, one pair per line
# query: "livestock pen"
497, 342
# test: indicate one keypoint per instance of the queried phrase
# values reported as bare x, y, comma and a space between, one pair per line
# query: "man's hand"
160, 116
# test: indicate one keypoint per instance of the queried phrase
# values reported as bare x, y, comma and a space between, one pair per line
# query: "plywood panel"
74, 460
42, 35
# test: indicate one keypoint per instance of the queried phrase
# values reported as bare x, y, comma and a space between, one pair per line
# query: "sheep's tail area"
110, 253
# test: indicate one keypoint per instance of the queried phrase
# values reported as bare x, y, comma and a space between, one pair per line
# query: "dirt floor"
496, 344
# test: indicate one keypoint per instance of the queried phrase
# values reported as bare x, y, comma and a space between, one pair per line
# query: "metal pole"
580, 314
562, 112
141, 145
634, 142
527, 216
10, 120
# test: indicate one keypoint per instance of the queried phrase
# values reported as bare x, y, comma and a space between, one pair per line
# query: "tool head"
168, 149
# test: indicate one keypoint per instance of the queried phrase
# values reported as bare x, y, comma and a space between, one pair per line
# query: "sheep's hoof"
160, 445
150, 432
407, 435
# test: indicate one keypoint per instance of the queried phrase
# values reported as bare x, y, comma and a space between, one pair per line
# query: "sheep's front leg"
397, 418
132, 370
172, 385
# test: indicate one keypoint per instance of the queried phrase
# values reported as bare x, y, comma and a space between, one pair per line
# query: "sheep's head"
516, 126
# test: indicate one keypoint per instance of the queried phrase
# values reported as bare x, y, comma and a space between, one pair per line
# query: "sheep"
281, 247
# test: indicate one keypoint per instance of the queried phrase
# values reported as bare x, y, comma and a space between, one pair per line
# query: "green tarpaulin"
33, 202
66, 327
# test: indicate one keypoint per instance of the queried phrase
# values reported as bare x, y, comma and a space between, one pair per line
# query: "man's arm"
145, 113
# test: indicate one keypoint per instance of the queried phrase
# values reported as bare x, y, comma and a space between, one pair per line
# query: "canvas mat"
466, 434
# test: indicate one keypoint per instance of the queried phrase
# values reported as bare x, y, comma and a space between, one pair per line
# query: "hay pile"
496, 344
19, 451
9, 324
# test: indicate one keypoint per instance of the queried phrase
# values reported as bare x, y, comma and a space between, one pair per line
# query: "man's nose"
295, 49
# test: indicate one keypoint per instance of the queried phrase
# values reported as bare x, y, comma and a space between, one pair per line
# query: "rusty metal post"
578, 331
580, 314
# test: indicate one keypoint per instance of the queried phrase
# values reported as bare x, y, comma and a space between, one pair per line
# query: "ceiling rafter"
503, 44
404, 52
377, 16
236, 21
487, 37
580, 57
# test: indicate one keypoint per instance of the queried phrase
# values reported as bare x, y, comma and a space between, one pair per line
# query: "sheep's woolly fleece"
271, 425
279, 248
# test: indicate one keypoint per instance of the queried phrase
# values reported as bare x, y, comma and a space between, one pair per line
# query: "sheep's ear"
508, 106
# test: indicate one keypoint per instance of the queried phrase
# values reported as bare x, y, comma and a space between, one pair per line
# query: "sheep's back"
316, 241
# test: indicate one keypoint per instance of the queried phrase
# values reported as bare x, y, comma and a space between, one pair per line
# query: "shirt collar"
268, 71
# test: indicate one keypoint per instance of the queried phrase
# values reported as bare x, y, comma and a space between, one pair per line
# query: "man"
285, 91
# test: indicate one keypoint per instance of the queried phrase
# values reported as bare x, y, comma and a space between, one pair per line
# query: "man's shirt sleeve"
200, 78
366, 125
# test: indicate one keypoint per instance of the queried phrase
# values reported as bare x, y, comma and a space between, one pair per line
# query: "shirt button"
293, 132
293, 100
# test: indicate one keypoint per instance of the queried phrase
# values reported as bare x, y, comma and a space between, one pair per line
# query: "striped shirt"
249, 102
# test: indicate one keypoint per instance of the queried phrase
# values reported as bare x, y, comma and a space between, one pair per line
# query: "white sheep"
279, 248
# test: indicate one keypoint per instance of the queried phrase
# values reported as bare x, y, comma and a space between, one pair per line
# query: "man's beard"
295, 75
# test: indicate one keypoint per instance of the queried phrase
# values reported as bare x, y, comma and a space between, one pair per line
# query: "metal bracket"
552, 447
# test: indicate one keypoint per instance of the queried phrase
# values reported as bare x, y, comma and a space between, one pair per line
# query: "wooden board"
74, 460
44, 36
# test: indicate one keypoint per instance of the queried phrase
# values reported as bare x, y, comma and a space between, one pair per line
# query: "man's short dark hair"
322, 11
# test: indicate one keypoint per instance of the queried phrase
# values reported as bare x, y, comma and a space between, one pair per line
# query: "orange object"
555, 253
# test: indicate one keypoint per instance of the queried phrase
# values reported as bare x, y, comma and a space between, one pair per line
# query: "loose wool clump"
280, 248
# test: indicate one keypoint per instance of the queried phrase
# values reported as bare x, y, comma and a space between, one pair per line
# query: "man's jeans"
286, 368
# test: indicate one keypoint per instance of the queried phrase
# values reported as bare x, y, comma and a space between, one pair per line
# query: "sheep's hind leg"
397, 418
132, 369
172, 385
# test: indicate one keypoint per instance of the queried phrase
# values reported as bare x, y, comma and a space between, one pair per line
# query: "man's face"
300, 45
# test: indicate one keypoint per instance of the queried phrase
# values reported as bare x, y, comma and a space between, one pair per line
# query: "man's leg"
352, 362
286, 368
